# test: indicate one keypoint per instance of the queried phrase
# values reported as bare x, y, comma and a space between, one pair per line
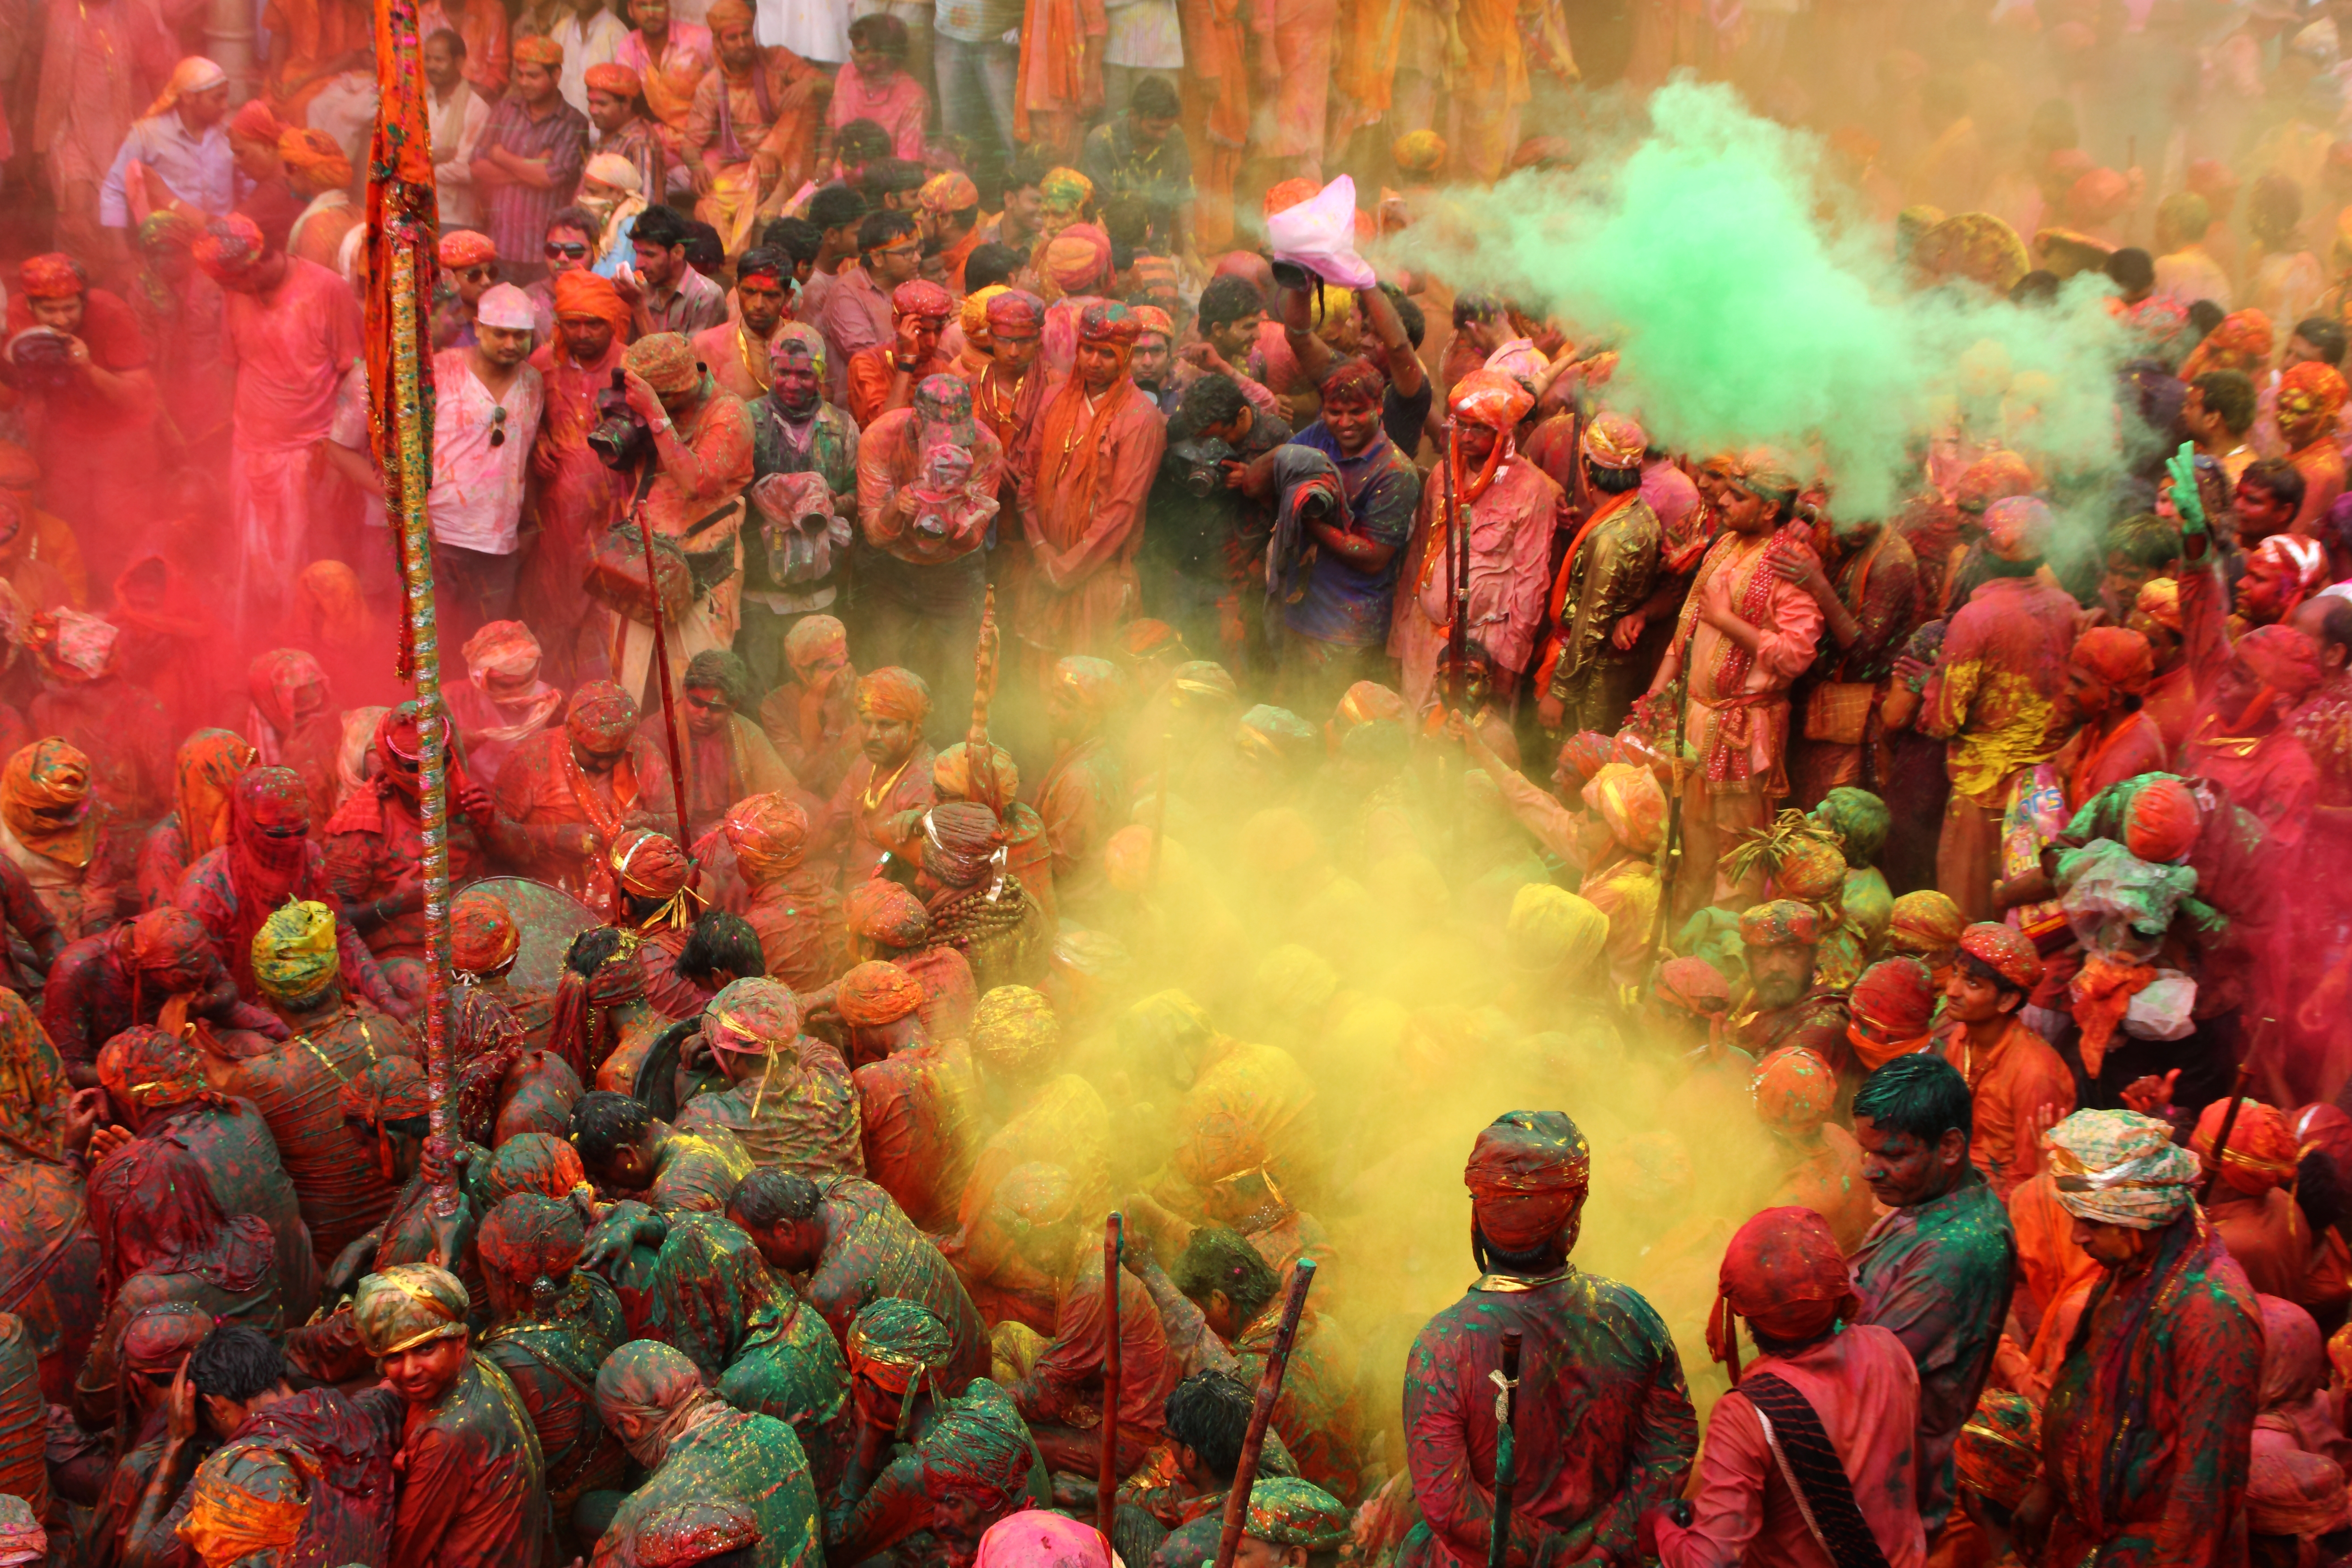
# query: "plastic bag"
1319, 234
2162, 1009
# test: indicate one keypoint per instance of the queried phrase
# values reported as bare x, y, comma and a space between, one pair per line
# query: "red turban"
1527, 1174
875, 993
539, 50
55, 275
960, 837
532, 1238
1783, 923
462, 247
618, 81
1016, 313
602, 717
1109, 321
2311, 389
534, 1162
923, 298
2260, 1154
230, 245
649, 865
482, 934
255, 123
1784, 1274
1284, 194
1588, 752
157, 1336
1077, 260
2017, 528
1490, 398
886, 914
2162, 823
1895, 998
2006, 950
146, 1069
1694, 985
2283, 658
170, 942
2118, 657
2241, 342
1794, 1091
1996, 475
770, 836
891, 692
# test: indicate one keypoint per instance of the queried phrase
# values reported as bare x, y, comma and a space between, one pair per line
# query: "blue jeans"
976, 83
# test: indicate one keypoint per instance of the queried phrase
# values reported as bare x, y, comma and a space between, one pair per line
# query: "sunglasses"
559, 251
485, 274
498, 426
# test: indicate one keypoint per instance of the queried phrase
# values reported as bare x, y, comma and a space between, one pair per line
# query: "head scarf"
1924, 922
601, 717
1551, 929
1784, 1274
1015, 312
1287, 1512
22, 1541
2283, 658
157, 1336
961, 840
1999, 1452
537, 1163
894, 1342
666, 362
1418, 153
73, 647
229, 247
769, 835
533, 1241
1614, 441
45, 800
2162, 821
288, 689
752, 1016
1093, 683
1077, 260
146, 1070
2313, 389
875, 993
1631, 801
1794, 1091
407, 1305
539, 50
2261, 1152
1035, 1539
893, 693
2290, 1492
1527, 1173
1015, 1031
1490, 398
814, 640
952, 191
951, 775
482, 934
255, 123
1217, 1148
2119, 1167
888, 915
1896, 997
2006, 950
294, 956
247, 1502
464, 248
54, 276
207, 767
1151, 321
694, 1531
154, 1213
1694, 985
265, 859
167, 947
316, 158
2118, 657
655, 1384
194, 73
581, 292
1782, 923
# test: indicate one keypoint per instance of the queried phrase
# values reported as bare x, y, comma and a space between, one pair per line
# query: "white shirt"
199, 167
456, 133
596, 44
476, 502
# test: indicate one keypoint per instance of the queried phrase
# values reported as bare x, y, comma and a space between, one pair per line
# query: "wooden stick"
1506, 1451
661, 664
1269, 1389
1106, 1476
2222, 1138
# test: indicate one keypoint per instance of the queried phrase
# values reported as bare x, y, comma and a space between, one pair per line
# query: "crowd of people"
1014, 653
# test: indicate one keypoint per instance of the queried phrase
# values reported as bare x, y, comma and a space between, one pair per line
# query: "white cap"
507, 306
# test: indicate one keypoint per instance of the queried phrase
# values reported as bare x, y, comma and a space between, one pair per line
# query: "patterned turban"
1794, 1091
157, 1336
952, 191
952, 774
602, 717
2261, 1152
2313, 389
53, 275
1999, 1452
1014, 1030
1077, 260
1491, 399
2162, 822
539, 50
1783, 923
666, 362
618, 81
294, 956
147, 1071
532, 1239
1287, 1512
2118, 657
1151, 321
888, 915
1784, 1274
960, 840
248, 1501
1218, 1147
1418, 153
2018, 529
893, 1342
1550, 927
482, 934
22, 1541
648, 865
1694, 985
1015, 313
1065, 189
393, 1089
1527, 1173
1109, 321
1895, 999
2283, 658
316, 156
769, 835
2006, 950
1631, 801
752, 1016
922, 298
2119, 1167
1614, 441
1035, 1539
1995, 477
2160, 601
2241, 342
1924, 922
230, 247
463, 248
406, 1306
876, 993
892, 693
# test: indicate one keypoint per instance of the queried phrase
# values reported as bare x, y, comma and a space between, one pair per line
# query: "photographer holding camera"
1204, 552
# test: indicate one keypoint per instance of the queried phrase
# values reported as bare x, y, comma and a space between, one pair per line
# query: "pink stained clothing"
730, 353
1790, 624
1075, 606
901, 108
290, 348
1511, 529
855, 314
670, 80
1299, 32
476, 501
1862, 1385
489, 56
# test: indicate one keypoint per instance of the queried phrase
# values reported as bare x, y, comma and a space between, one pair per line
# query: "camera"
620, 437
1314, 506
43, 359
1199, 464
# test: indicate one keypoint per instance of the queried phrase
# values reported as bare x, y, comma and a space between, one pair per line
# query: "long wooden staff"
1106, 1474
661, 664
1506, 1451
2222, 1138
1269, 1389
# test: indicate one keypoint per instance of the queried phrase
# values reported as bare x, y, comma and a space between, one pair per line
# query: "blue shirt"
1342, 605
201, 169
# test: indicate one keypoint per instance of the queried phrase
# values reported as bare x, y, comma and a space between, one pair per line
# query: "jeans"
976, 84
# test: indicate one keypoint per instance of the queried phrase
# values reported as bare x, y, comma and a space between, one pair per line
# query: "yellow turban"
294, 956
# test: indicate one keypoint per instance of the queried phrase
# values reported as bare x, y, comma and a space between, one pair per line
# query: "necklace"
874, 792
743, 351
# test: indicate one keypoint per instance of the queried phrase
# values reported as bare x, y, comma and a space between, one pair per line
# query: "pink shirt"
476, 502
290, 350
1863, 1387
900, 109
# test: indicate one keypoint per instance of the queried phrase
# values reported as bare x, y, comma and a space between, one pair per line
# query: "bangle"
906, 364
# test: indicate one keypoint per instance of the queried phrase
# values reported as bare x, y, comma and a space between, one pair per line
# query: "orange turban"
463, 248
482, 934
770, 836
2260, 1154
55, 275
876, 993
2119, 656
891, 692
618, 81
2162, 822
1794, 1091
1077, 260
886, 914
316, 156
539, 50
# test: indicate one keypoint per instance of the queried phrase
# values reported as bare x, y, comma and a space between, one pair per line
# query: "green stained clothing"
1318, 1413
231, 1140
710, 1288
977, 1434
791, 1367
699, 1170
752, 1460
799, 1113
552, 1357
875, 1251
472, 1488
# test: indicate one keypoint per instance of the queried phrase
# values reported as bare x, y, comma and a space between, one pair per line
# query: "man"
883, 376
1994, 695
674, 297
456, 116
756, 130
565, 794
1084, 469
623, 1148
670, 56
1010, 389
1634, 1432
2250, 1200
1204, 555
579, 493
1083, 793
1747, 631
855, 313
529, 158
791, 1103
950, 204
991, 919
1606, 575
321, 174
2243, 742
484, 418
650, 875
1784, 1006
2268, 499
2106, 680
2017, 1084
890, 782
1869, 596
590, 37
2310, 397
2217, 414
618, 128
835, 212
1937, 1270
101, 985
604, 218
293, 328
177, 156
1337, 618
795, 431
738, 352
472, 1488
1141, 155
849, 1242
914, 1103
2145, 1436
376, 846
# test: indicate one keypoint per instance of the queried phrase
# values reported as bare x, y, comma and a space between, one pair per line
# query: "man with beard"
740, 353
756, 130
565, 794
1783, 1006
891, 784
579, 493
728, 756
795, 431
1593, 673
1938, 1268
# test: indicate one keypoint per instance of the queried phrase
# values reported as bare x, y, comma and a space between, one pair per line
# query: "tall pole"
1106, 1473
1506, 1452
401, 217
1269, 1391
